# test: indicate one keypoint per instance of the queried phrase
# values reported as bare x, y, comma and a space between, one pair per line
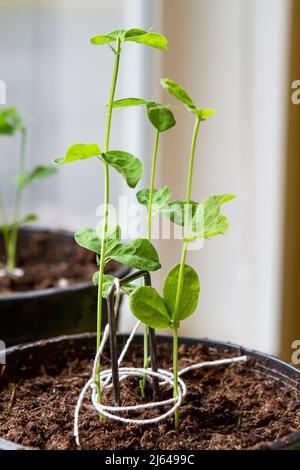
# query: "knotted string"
164, 376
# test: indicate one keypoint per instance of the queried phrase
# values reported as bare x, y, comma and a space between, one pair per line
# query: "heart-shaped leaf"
148, 306
160, 198
108, 282
10, 121
79, 152
138, 254
161, 117
176, 90
148, 38
189, 295
130, 167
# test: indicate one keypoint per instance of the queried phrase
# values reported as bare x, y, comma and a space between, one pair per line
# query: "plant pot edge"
50, 291
32, 315
292, 439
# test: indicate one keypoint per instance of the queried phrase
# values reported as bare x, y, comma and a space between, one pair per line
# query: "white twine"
14, 273
164, 376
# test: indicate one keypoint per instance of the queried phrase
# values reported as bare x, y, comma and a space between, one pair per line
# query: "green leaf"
212, 205
79, 152
161, 117
112, 239
189, 294
107, 38
148, 306
25, 220
135, 35
203, 114
218, 226
24, 178
160, 198
176, 90
11, 121
108, 282
130, 167
143, 37
88, 238
175, 211
207, 221
138, 254
127, 102
41, 172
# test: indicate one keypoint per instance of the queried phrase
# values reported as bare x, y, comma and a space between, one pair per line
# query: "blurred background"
237, 56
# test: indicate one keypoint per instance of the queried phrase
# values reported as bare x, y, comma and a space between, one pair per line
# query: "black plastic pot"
34, 315
26, 360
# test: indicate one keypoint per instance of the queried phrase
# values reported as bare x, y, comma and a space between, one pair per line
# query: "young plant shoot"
12, 123
139, 253
199, 220
162, 119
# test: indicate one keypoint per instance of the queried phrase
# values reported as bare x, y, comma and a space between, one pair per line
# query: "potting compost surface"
227, 407
49, 262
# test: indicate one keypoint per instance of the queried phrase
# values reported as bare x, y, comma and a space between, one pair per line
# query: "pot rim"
51, 291
291, 372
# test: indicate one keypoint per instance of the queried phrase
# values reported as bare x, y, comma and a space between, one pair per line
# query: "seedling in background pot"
203, 219
106, 243
12, 123
162, 119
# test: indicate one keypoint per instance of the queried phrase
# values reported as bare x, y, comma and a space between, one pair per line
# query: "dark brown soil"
228, 407
48, 260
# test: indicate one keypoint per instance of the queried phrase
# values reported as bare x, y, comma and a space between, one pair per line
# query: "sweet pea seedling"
107, 245
203, 219
12, 123
162, 119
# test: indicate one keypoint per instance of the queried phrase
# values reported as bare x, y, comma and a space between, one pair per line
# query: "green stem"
184, 251
146, 360
106, 208
149, 223
12, 244
149, 226
2, 209
175, 372
191, 169
4, 220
